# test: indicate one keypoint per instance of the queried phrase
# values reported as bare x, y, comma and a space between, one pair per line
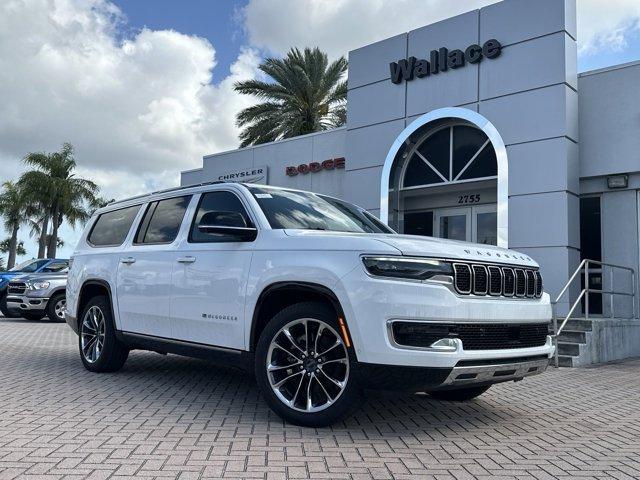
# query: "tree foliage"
305, 94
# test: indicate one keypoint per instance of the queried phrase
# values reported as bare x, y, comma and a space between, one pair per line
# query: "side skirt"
227, 357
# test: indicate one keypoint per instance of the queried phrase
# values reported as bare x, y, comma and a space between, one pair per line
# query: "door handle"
128, 260
186, 259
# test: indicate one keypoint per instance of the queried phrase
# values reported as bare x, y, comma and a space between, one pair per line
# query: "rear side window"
216, 202
162, 220
111, 228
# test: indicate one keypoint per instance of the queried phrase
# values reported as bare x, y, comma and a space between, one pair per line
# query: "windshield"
309, 211
29, 266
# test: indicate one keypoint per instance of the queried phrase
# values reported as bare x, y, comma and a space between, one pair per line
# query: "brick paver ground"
171, 417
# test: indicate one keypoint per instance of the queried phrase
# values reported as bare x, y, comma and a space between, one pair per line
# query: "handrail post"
633, 293
555, 336
586, 288
611, 294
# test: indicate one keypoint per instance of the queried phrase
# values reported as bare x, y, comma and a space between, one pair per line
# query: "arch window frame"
450, 125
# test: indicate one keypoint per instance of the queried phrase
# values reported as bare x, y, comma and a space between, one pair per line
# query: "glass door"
485, 224
453, 223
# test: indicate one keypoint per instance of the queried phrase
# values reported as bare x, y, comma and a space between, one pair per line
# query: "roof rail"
167, 190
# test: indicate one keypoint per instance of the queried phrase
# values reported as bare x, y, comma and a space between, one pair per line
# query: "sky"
144, 88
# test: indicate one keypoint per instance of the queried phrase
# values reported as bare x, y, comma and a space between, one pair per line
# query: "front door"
210, 279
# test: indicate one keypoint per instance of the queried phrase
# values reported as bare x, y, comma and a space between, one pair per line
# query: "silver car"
39, 294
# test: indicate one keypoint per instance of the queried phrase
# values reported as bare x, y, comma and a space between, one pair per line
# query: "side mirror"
227, 223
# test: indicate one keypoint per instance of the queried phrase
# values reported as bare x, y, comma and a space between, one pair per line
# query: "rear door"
210, 278
146, 266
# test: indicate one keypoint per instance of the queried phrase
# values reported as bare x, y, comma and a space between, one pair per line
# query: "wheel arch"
278, 295
91, 288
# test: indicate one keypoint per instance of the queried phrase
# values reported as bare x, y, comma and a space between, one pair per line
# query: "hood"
40, 277
6, 276
414, 245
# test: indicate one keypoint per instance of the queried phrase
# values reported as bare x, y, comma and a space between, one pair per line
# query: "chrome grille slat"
494, 280
521, 282
509, 289
480, 284
531, 283
463, 278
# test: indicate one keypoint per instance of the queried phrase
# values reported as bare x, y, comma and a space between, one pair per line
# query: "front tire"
460, 394
56, 307
306, 373
4, 308
100, 350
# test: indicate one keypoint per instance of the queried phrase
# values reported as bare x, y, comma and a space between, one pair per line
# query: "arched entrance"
446, 176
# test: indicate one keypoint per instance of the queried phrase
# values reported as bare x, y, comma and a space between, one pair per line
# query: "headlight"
39, 286
406, 267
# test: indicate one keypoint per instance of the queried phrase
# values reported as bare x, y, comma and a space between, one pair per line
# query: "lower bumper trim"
462, 376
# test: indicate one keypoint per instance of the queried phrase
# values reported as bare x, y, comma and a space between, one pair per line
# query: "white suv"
314, 295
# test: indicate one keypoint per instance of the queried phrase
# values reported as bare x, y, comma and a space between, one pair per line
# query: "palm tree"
62, 196
5, 247
13, 207
307, 95
1, 264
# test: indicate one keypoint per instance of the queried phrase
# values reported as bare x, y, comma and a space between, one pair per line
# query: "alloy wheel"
93, 334
60, 308
307, 365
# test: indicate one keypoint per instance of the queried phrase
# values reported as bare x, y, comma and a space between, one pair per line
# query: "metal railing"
584, 293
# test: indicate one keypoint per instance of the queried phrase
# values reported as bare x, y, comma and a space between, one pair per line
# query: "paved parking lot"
170, 417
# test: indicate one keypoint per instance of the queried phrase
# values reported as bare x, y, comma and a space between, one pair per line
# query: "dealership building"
479, 128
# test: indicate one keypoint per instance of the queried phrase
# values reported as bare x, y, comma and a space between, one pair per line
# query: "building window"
451, 154
591, 248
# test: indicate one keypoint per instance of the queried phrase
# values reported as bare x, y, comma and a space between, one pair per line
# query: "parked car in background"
315, 295
39, 294
41, 265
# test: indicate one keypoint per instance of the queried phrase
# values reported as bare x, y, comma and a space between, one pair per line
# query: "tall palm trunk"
13, 245
42, 241
53, 239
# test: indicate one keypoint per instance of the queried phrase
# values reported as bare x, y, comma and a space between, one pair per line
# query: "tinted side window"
162, 220
111, 228
216, 202
56, 267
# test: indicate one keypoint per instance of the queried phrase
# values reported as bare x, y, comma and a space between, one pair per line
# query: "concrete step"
578, 325
569, 349
565, 361
572, 336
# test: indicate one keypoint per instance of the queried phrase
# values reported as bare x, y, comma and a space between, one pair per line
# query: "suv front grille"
496, 281
473, 336
17, 288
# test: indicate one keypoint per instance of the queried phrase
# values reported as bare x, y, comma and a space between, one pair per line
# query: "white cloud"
605, 26
342, 25
138, 111
338, 26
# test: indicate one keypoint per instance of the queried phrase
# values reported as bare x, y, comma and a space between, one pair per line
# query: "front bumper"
23, 302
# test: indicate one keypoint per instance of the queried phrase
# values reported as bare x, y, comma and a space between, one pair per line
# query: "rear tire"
4, 308
56, 307
32, 315
100, 350
460, 394
305, 371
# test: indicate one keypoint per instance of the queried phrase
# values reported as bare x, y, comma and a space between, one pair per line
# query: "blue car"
41, 265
